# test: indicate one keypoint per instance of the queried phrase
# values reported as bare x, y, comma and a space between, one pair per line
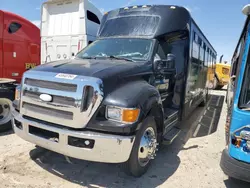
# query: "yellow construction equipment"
218, 74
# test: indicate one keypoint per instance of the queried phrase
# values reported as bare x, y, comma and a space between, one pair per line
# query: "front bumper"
107, 148
234, 168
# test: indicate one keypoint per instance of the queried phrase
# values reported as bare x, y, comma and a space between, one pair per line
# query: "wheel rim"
5, 114
148, 146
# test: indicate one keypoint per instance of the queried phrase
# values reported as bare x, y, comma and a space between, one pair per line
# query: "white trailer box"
67, 27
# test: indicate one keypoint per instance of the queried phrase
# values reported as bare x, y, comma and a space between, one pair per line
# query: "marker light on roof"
135, 6
144, 6
172, 7
126, 8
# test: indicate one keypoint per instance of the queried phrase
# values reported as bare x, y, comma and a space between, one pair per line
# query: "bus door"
171, 87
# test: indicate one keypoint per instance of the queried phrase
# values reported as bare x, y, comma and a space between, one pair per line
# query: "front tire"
6, 97
5, 115
144, 149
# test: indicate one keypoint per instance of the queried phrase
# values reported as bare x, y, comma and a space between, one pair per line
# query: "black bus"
130, 89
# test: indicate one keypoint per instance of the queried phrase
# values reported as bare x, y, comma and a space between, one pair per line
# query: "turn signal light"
238, 142
130, 115
18, 93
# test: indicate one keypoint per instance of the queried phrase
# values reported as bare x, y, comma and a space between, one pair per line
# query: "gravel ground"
191, 161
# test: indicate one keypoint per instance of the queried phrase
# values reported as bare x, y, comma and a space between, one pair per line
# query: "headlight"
125, 115
18, 92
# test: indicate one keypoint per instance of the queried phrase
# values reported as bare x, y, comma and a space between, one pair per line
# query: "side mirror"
165, 65
170, 61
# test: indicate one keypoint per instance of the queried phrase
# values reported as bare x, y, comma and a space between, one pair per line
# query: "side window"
205, 55
236, 58
201, 56
245, 90
176, 47
92, 17
14, 27
159, 54
195, 49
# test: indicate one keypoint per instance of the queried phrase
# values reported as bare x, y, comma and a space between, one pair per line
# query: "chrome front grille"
73, 101
51, 85
56, 99
48, 111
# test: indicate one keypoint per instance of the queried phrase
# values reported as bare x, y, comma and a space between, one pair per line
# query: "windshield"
134, 49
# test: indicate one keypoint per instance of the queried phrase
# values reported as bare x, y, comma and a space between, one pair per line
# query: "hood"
105, 69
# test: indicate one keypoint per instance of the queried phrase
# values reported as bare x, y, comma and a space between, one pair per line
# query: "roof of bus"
153, 20
172, 18
19, 18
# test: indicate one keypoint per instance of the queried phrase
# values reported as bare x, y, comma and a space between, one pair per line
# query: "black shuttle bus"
145, 73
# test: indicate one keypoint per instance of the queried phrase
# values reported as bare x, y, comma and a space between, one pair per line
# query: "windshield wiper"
88, 57
111, 57
120, 58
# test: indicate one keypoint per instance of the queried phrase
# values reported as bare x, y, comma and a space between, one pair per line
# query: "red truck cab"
19, 45
19, 51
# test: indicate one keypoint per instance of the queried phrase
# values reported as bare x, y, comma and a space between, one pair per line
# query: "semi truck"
19, 51
122, 95
67, 26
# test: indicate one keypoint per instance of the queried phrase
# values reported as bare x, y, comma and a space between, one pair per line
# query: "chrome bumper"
107, 148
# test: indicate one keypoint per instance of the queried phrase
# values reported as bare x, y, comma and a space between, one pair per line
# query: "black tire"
6, 127
132, 166
6, 93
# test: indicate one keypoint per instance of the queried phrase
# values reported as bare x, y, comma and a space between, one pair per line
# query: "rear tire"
139, 162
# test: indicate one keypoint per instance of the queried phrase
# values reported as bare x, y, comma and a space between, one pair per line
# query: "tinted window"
130, 26
245, 91
178, 49
14, 27
92, 17
201, 57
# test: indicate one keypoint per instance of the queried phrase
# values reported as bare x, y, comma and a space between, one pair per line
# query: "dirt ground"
192, 161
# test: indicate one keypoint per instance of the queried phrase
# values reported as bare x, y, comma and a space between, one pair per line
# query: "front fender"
134, 94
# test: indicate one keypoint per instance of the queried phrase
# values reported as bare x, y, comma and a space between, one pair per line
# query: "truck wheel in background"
144, 148
6, 96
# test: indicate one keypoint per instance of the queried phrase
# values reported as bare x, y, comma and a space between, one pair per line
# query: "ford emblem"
46, 97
